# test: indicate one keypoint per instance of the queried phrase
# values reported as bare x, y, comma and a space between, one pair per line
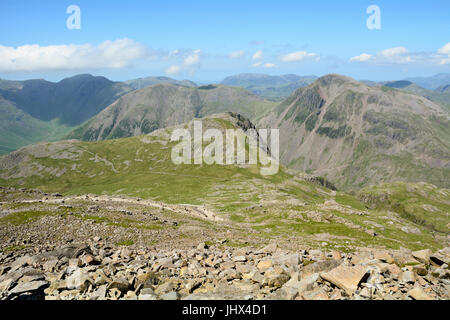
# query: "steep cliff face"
356, 135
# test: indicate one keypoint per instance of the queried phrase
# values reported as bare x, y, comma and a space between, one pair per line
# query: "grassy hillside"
287, 206
18, 129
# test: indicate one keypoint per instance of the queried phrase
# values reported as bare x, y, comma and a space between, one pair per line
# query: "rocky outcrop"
96, 271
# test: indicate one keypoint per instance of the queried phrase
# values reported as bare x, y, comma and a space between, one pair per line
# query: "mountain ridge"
356, 135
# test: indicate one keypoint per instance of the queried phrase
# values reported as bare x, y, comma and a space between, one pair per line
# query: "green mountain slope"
72, 100
162, 105
288, 206
38, 110
18, 129
356, 135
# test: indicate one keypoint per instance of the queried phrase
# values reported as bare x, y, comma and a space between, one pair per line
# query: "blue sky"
208, 40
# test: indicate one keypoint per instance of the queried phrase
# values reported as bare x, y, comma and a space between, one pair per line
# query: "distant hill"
158, 106
71, 100
269, 86
440, 96
39, 110
357, 135
432, 82
149, 81
444, 89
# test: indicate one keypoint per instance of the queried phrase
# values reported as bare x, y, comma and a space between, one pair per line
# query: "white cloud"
258, 55
269, 65
298, 56
256, 64
445, 49
399, 55
109, 54
186, 60
394, 52
193, 58
362, 57
237, 54
173, 69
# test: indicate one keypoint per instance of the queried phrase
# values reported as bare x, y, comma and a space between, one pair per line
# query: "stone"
239, 259
408, 277
166, 262
6, 284
100, 293
345, 277
90, 260
316, 294
292, 259
170, 296
384, 256
305, 284
418, 294
50, 265
75, 262
27, 287
79, 280
362, 257
438, 259
119, 283
151, 297
264, 265
336, 255
276, 280
21, 262
420, 270
258, 278
270, 248
319, 266
422, 255
57, 285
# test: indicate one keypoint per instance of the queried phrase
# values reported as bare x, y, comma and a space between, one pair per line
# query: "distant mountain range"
433, 82
353, 133
277, 87
141, 83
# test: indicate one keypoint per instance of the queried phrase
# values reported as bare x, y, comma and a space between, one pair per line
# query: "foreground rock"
98, 271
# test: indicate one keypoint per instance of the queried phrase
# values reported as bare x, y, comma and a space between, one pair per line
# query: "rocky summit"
97, 270
92, 247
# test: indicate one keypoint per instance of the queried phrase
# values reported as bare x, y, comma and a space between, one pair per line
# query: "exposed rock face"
163, 105
211, 273
346, 278
354, 135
